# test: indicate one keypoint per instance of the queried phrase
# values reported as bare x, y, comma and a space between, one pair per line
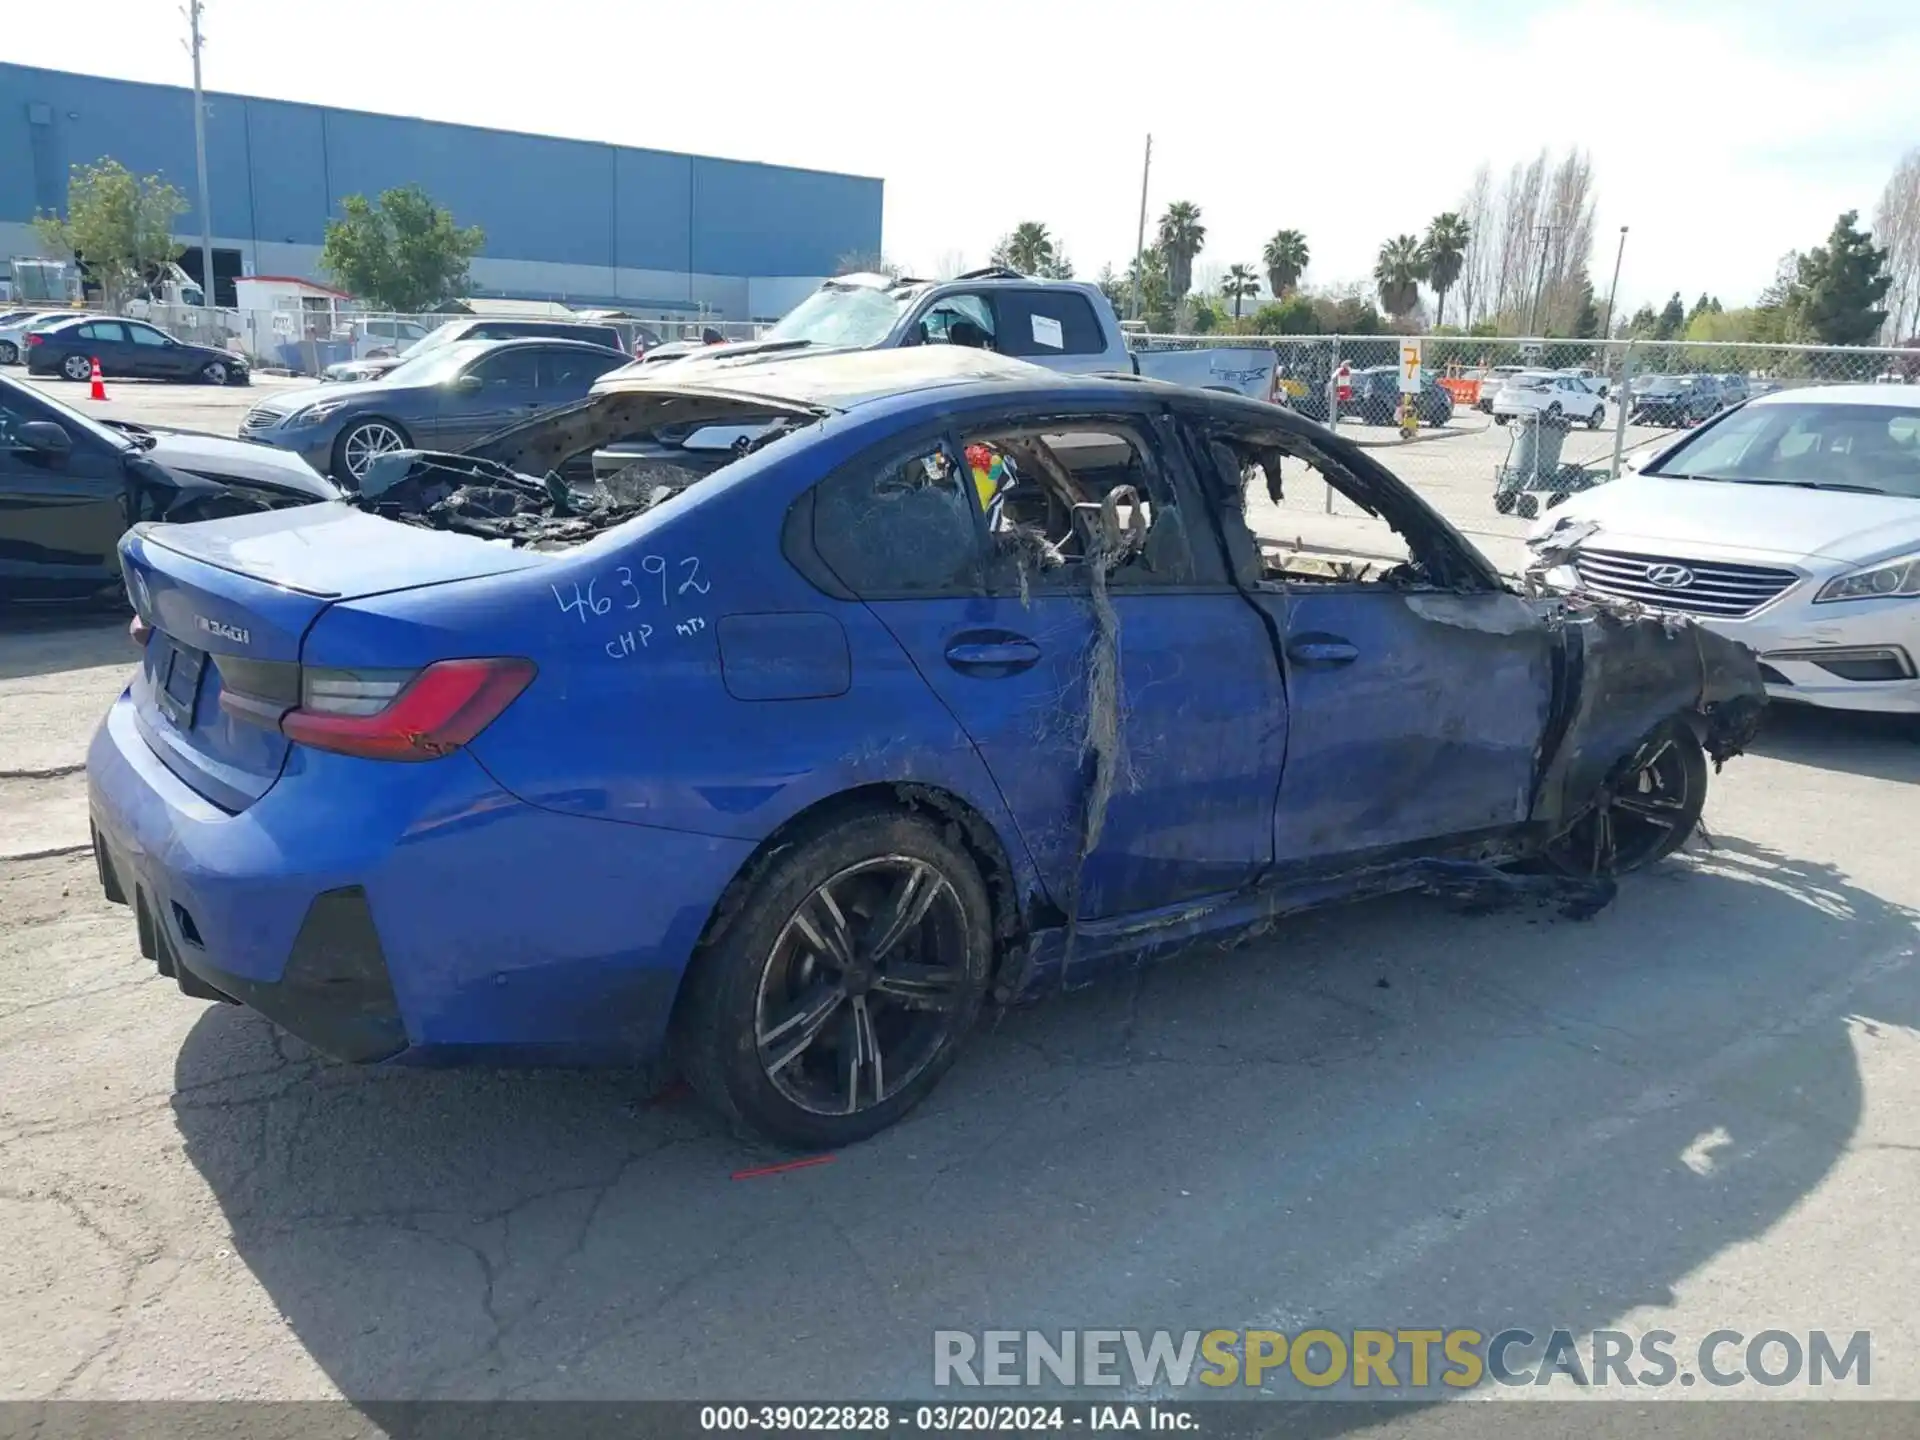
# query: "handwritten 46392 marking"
681, 577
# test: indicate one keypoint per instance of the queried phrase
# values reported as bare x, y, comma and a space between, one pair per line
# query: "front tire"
1647, 809
361, 444
215, 372
1596, 417
836, 989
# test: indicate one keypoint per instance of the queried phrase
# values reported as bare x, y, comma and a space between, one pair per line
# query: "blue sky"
1723, 133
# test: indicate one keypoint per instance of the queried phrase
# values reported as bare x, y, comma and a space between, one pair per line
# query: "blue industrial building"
648, 230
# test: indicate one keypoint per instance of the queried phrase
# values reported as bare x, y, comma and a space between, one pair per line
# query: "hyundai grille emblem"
1670, 577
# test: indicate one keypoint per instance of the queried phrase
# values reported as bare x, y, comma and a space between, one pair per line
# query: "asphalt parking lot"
1699, 1109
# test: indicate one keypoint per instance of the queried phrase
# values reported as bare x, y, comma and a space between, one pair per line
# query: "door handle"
993, 655
1323, 650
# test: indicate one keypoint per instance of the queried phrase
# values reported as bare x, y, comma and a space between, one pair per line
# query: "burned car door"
1418, 687
1048, 577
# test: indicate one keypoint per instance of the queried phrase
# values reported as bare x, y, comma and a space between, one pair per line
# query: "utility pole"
200, 160
1140, 235
1539, 285
1606, 331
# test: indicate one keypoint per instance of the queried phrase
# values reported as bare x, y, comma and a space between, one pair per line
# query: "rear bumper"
379, 910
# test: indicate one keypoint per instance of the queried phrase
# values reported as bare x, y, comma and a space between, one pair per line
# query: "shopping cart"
1533, 468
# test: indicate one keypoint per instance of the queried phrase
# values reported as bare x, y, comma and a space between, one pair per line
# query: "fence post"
1622, 401
1333, 409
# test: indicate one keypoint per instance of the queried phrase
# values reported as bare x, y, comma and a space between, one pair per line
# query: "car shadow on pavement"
1876, 747
36, 640
1379, 1116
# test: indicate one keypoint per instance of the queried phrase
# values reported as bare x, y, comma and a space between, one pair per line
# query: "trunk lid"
230, 603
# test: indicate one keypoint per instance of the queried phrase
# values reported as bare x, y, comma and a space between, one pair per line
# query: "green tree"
118, 226
1843, 283
1397, 273
1705, 305
1029, 249
1181, 238
1291, 316
1347, 315
1156, 303
403, 254
1586, 320
1240, 283
1204, 316
1444, 253
1673, 319
1285, 260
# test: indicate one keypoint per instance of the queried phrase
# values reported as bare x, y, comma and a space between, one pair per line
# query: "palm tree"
1181, 238
1286, 260
1028, 249
1444, 252
1397, 274
1240, 283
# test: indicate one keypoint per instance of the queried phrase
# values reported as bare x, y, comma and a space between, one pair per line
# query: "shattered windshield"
856, 317
1871, 448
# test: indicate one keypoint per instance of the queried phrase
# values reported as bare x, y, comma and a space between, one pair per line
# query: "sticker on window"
1047, 332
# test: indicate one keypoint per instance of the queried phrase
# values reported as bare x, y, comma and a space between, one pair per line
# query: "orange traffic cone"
99, 391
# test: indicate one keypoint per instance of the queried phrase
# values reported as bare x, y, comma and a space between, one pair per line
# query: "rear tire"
77, 367
1503, 503
9, 354
1527, 507
802, 1018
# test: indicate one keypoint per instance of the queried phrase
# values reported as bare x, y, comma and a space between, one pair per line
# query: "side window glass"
904, 527
1059, 499
959, 320
508, 370
1040, 323
143, 336
104, 330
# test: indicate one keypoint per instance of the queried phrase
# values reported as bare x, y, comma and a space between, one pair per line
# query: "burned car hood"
216, 458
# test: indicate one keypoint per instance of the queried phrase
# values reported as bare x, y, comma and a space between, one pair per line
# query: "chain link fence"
1508, 427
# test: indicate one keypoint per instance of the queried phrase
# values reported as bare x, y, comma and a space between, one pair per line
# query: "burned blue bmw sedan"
961, 680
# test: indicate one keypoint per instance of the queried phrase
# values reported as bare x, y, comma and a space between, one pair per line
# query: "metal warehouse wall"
561, 216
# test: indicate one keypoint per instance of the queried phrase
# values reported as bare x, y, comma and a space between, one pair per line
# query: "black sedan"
129, 349
69, 486
445, 399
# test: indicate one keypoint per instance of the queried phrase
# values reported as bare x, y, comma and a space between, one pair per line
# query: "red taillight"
441, 709
36, 339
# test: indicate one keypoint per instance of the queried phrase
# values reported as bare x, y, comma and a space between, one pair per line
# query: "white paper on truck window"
1047, 332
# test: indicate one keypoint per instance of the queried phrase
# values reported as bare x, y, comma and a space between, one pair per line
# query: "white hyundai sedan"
1791, 524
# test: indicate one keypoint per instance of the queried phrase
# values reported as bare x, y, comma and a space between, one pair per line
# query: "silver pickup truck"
1064, 325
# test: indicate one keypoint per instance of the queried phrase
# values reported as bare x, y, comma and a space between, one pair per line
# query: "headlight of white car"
1894, 579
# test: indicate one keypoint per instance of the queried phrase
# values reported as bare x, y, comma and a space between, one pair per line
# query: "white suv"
1552, 397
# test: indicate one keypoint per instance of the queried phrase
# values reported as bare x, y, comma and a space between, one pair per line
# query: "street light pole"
1606, 332
1140, 235
200, 160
